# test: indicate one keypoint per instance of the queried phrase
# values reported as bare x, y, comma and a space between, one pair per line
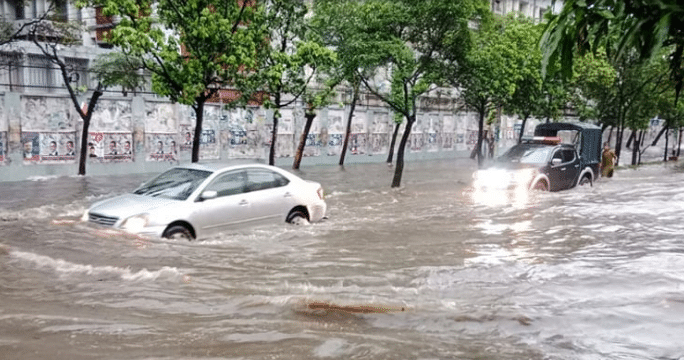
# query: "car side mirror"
556, 161
208, 195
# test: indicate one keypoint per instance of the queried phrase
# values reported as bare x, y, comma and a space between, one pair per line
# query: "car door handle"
243, 202
563, 169
577, 165
287, 194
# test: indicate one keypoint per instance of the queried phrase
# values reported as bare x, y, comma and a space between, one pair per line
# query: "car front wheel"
540, 185
178, 232
585, 180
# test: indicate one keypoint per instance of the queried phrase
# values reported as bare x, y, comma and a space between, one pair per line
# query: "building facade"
40, 128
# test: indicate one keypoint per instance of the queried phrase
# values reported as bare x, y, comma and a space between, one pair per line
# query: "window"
78, 71
568, 155
260, 179
232, 183
10, 71
40, 74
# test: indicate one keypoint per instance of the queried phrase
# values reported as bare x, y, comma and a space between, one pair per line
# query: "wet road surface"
428, 271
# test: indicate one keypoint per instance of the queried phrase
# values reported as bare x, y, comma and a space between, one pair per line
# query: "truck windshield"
527, 154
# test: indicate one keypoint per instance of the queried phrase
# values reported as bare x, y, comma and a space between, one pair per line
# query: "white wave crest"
64, 267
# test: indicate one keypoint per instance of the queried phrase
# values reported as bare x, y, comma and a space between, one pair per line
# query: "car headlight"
135, 223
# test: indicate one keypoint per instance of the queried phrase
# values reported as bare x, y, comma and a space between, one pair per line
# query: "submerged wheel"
585, 180
297, 217
541, 185
178, 232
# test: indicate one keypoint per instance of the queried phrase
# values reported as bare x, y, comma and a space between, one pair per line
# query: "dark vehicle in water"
559, 156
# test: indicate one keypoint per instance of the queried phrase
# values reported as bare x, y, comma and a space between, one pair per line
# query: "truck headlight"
135, 223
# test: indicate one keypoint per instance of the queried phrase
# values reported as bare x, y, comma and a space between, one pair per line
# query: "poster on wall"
379, 137
432, 134
358, 141
460, 141
209, 137
3, 146
187, 133
336, 131
160, 118
285, 139
314, 142
3, 133
46, 114
112, 116
110, 147
448, 133
416, 138
161, 147
48, 147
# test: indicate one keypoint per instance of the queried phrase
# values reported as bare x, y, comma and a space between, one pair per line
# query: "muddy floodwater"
429, 271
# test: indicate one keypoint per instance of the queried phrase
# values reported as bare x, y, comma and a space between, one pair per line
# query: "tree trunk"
666, 144
618, 143
84, 132
347, 133
480, 133
302, 140
522, 129
642, 135
631, 138
396, 181
199, 114
635, 148
393, 142
679, 145
274, 137
610, 135
657, 138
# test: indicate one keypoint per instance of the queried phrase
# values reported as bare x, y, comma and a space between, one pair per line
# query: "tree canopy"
645, 26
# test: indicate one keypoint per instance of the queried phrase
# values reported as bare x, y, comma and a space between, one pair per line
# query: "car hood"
514, 166
127, 205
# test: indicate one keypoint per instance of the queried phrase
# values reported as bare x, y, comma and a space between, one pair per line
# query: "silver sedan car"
196, 201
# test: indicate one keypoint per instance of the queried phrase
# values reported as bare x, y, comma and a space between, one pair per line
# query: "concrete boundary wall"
40, 135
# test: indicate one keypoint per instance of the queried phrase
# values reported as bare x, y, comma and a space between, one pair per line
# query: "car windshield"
175, 184
527, 154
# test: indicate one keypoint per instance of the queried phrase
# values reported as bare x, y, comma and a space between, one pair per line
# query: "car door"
573, 167
557, 171
228, 210
270, 197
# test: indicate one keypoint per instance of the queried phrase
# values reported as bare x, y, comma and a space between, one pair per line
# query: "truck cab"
586, 138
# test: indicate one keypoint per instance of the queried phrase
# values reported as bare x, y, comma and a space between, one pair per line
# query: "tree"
342, 33
403, 45
645, 26
534, 95
487, 78
288, 64
617, 93
192, 48
314, 100
49, 38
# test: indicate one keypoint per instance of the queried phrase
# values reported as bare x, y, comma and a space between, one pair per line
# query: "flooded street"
429, 271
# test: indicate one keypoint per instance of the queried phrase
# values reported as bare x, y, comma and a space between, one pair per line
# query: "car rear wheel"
540, 185
585, 180
297, 217
178, 232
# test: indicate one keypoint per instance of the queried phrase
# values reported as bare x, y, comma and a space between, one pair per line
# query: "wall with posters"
40, 135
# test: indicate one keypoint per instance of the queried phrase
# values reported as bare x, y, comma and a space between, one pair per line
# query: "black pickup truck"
558, 157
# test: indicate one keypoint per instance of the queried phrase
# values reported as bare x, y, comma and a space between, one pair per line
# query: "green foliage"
117, 69
502, 57
191, 47
619, 26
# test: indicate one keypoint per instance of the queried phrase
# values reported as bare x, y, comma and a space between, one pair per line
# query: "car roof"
222, 166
